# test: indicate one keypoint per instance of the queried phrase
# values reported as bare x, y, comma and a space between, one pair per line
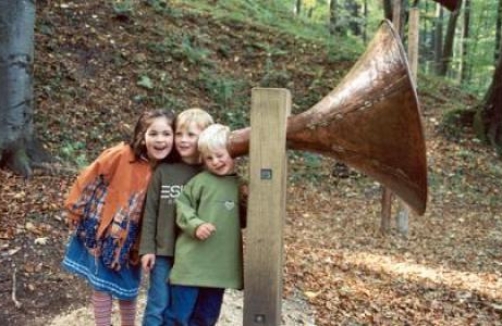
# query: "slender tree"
465, 73
310, 12
447, 53
488, 119
387, 9
426, 46
298, 7
18, 145
365, 23
451, 5
438, 39
333, 17
498, 30
353, 8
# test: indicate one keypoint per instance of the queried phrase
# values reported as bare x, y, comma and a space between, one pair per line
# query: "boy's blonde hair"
193, 115
213, 138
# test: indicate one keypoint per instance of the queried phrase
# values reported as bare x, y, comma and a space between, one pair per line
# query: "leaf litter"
338, 268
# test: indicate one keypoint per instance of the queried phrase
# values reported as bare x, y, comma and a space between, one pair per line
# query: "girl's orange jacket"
111, 189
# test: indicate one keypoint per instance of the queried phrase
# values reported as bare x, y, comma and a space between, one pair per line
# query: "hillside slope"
96, 68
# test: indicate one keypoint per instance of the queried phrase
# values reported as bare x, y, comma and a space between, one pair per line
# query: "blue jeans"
195, 306
158, 297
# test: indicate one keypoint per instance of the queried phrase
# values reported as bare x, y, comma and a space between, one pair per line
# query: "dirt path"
295, 312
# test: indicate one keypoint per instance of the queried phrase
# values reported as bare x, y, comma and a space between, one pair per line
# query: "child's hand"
70, 222
147, 262
72, 225
204, 231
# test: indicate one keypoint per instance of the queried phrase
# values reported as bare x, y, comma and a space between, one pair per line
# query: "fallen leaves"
13, 251
446, 273
41, 241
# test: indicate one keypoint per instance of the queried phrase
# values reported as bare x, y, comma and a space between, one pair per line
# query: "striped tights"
102, 303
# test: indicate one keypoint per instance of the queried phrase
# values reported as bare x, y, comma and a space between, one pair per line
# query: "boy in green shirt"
208, 255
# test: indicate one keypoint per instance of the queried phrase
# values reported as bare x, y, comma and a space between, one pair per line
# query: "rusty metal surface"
370, 121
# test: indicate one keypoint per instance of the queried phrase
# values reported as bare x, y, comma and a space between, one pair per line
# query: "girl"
105, 205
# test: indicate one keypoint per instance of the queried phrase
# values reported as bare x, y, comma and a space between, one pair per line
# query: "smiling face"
186, 142
218, 161
159, 139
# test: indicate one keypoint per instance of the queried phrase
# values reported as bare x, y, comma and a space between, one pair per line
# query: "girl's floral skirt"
123, 284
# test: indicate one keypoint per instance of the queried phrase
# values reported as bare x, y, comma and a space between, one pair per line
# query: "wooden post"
386, 210
402, 217
386, 193
266, 207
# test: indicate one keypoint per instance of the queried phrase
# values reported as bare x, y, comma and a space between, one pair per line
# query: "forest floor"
338, 268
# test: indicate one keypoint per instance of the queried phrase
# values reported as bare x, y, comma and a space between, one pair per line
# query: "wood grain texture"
266, 207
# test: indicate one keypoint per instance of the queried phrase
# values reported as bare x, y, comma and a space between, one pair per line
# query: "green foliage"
183, 47
343, 49
277, 15
123, 7
306, 166
171, 102
230, 97
235, 119
163, 7
193, 53
275, 78
75, 153
480, 46
159, 92
145, 82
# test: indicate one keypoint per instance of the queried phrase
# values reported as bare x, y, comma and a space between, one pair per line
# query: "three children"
198, 210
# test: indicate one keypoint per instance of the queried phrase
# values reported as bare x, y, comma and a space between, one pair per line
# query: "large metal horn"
370, 121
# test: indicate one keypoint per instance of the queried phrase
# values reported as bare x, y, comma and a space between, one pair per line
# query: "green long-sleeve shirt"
158, 226
216, 261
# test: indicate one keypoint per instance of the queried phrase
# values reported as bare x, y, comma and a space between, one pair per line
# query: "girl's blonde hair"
213, 138
193, 115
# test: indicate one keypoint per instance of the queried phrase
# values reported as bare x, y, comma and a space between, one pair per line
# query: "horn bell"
371, 121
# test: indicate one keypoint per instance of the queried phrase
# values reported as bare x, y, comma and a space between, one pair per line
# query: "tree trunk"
448, 42
387, 9
353, 9
298, 7
427, 39
466, 69
333, 18
397, 17
488, 120
498, 31
310, 12
18, 146
438, 39
365, 26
